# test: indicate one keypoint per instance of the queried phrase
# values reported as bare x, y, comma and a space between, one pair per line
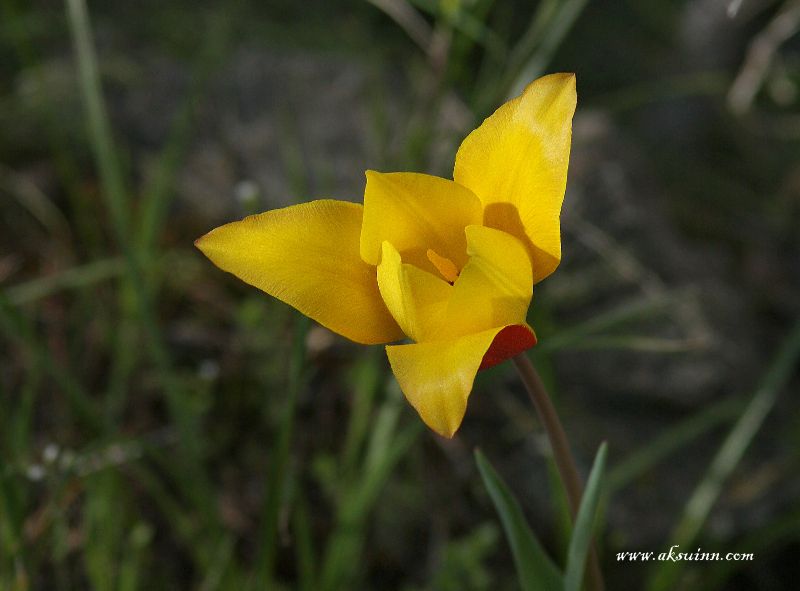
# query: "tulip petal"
417, 212
494, 288
307, 256
416, 299
437, 377
516, 163
509, 342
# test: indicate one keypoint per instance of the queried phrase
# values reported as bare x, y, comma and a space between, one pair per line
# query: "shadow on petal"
506, 217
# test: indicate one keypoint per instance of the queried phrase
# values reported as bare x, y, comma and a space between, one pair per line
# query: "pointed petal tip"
446, 429
447, 434
436, 377
571, 81
563, 84
530, 133
564, 77
210, 241
209, 244
202, 243
306, 255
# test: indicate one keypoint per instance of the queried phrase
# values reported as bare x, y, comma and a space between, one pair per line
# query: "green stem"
561, 453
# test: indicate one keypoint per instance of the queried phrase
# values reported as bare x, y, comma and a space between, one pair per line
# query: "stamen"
444, 265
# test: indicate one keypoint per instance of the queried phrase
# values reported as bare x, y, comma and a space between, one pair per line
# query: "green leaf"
582, 532
535, 569
727, 458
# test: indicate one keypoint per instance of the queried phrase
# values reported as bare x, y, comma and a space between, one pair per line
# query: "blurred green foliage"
164, 428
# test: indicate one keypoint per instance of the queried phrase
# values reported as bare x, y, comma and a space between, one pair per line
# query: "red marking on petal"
510, 341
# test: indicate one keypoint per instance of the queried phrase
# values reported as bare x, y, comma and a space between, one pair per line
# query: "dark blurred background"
163, 426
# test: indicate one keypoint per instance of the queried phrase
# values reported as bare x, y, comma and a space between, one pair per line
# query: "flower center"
444, 265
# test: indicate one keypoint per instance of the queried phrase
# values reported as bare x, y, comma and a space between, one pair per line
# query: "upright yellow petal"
417, 212
307, 256
437, 377
494, 288
416, 299
516, 163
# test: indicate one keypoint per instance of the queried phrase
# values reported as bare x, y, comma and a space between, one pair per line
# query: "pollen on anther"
444, 265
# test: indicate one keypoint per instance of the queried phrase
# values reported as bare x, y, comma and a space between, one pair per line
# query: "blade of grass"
72, 278
558, 493
728, 457
667, 88
560, 446
641, 343
560, 508
124, 357
367, 381
461, 60
620, 315
138, 300
306, 557
760, 542
156, 197
103, 146
183, 523
190, 509
18, 330
19, 432
105, 522
404, 14
35, 202
276, 482
62, 152
530, 57
470, 25
546, 10
535, 570
551, 37
59, 499
341, 565
133, 557
584, 524
12, 515
378, 468
114, 193
386, 447
493, 78
132, 292
14, 451
670, 441
218, 563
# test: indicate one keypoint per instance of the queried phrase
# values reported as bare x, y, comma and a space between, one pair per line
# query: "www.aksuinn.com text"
675, 555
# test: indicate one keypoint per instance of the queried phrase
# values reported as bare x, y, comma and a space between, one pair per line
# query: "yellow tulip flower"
450, 264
